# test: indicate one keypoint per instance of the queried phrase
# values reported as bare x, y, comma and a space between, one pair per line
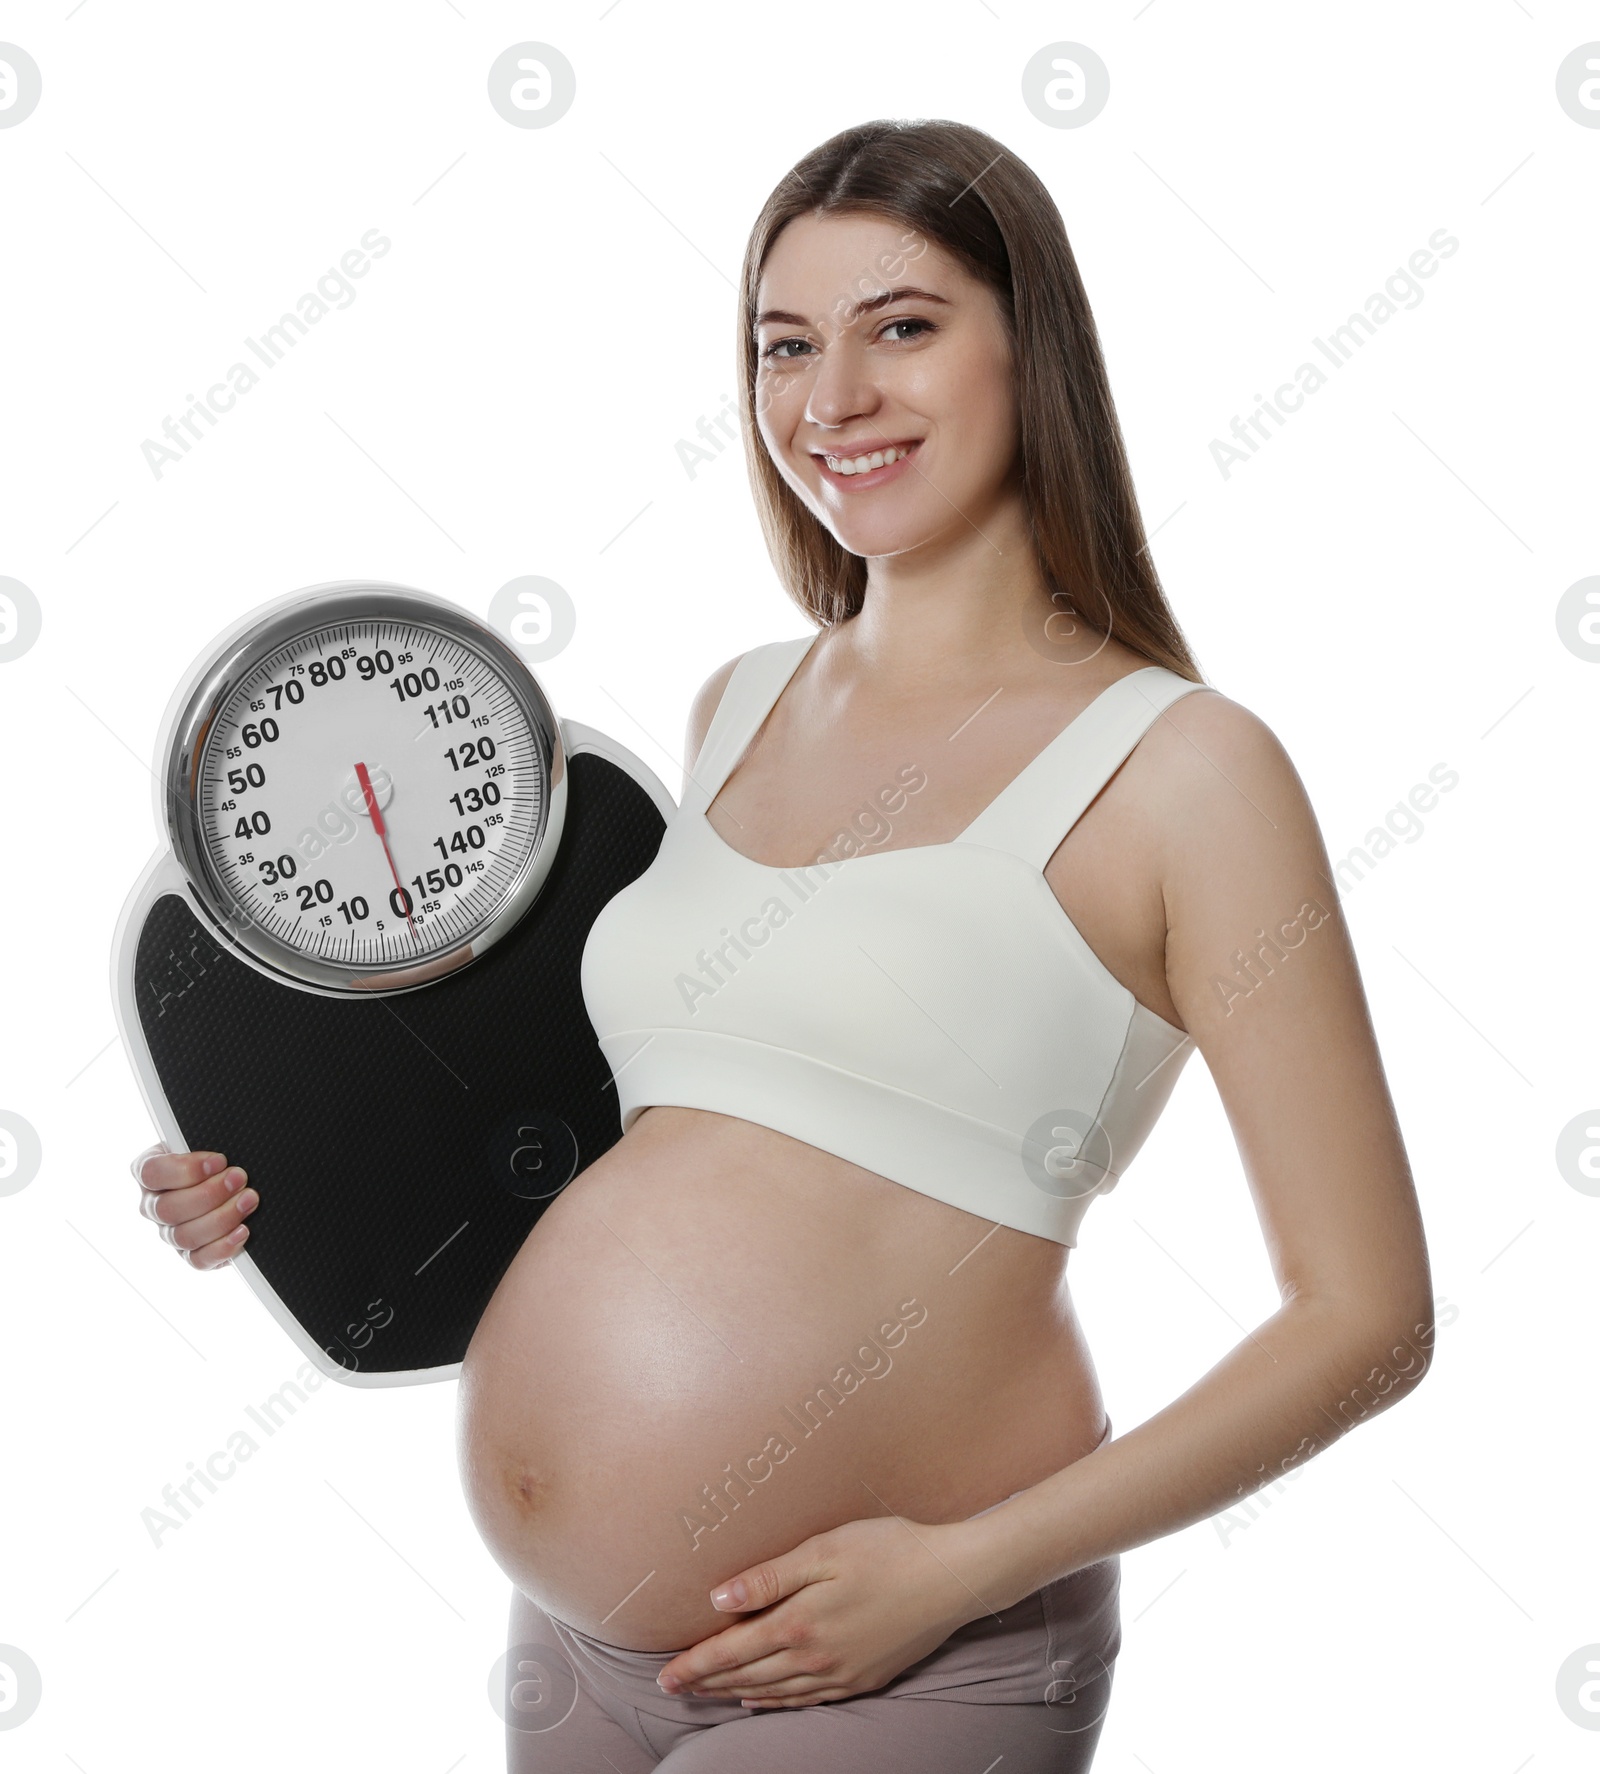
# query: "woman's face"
928, 372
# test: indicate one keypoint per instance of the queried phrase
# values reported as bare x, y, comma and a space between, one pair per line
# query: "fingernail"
248, 1200
730, 1595
236, 1179
669, 1684
210, 1165
238, 1235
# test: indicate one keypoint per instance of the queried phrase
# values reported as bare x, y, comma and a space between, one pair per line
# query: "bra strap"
1041, 804
753, 687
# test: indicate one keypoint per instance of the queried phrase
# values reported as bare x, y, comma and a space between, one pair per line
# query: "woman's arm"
1260, 967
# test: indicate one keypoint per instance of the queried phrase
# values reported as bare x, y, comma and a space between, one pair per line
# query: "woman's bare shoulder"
707, 699
702, 710
1221, 799
1211, 763
1238, 849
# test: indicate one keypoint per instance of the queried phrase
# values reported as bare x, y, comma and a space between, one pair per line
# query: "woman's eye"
778, 354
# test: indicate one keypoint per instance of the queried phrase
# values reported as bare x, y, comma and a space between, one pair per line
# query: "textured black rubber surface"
403, 1147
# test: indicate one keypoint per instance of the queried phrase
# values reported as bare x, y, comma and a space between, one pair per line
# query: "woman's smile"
854, 469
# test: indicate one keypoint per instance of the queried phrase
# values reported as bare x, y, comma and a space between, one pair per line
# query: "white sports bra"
929, 1012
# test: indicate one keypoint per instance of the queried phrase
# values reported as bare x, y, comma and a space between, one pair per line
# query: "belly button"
532, 1491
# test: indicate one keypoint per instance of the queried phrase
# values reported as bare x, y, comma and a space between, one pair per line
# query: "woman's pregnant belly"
719, 1341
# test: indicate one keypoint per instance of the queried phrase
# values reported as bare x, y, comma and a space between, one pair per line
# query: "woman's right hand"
198, 1200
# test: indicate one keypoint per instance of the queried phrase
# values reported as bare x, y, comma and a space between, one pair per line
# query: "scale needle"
378, 826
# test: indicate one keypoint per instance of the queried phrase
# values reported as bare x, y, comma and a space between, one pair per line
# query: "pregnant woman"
781, 1421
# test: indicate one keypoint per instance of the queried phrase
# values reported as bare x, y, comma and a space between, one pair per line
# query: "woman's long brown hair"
960, 187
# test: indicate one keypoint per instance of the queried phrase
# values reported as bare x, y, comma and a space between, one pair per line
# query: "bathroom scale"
353, 964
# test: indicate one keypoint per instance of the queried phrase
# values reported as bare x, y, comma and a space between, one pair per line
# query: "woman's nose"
842, 386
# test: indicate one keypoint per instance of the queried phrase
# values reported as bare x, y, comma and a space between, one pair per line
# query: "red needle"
382, 831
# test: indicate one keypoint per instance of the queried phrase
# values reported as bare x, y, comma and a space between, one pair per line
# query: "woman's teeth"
862, 464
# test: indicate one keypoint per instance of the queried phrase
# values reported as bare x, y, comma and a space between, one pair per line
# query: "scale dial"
366, 790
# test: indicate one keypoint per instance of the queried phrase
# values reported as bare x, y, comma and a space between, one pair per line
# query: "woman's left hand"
842, 1614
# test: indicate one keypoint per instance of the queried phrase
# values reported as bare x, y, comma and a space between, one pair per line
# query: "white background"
557, 312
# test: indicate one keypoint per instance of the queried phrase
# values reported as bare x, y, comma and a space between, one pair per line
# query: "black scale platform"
403, 1146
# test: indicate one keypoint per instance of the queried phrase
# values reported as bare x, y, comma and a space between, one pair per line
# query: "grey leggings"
1027, 1689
